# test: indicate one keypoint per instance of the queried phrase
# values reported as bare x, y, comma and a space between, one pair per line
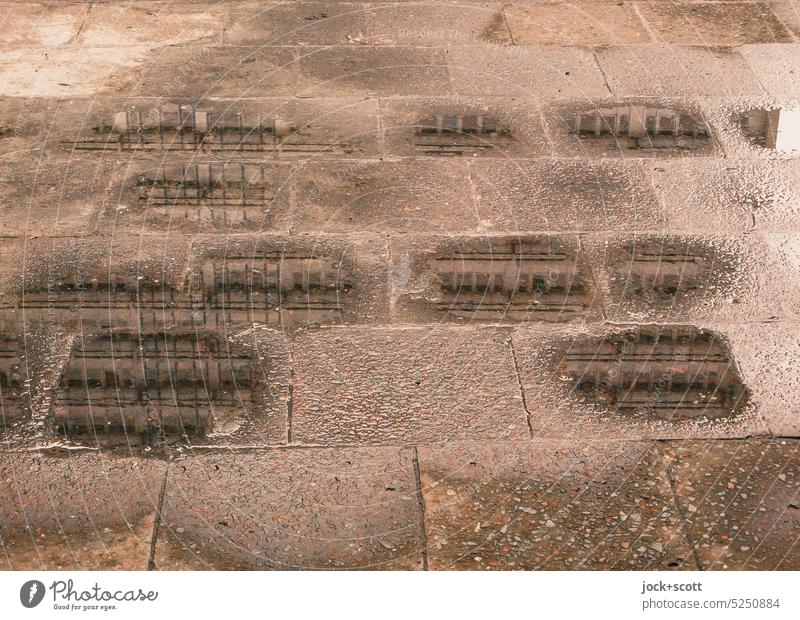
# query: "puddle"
456, 135
667, 372
220, 194
510, 279
777, 129
273, 288
149, 386
185, 127
641, 127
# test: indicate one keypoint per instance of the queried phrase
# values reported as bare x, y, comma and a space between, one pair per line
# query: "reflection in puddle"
774, 129
531, 278
457, 135
667, 372
642, 127
184, 127
152, 385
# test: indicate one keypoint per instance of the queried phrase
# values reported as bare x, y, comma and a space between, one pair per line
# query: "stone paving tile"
36, 24
383, 386
677, 71
536, 71
590, 22
728, 196
463, 127
768, 354
23, 125
158, 22
380, 71
55, 197
82, 511
556, 196
607, 128
382, 196
529, 505
686, 278
777, 67
741, 500
493, 279
292, 509
209, 71
788, 12
711, 23
435, 23
296, 23
577, 381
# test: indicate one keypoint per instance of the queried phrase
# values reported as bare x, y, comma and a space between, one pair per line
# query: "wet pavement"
400, 285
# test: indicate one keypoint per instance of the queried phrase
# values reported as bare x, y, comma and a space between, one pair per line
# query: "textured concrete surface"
399, 285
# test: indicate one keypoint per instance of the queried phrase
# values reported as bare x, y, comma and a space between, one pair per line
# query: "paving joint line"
421, 510
151, 561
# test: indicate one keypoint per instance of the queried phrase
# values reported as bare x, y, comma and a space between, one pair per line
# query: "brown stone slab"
296, 23
741, 500
361, 71
713, 23
684, 278
676, 71
383, 386
378, 196
58, 197
463, 127
292, 509
629, 128
497, 279
553, 195
728, 196
80, 511
588, 22
768, 354
535, 71
218, 129
435, 23
23, 126
155, 23
209, 71
777, 66
197, 195
39, 24
550, 506
639, 382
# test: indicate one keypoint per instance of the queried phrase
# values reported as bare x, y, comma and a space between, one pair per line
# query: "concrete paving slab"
554, 506
535, 71
641, 381
495, 279
561, 195
463, 127
741, 500
588, 22
677, 71
292, 509
777, 67
713, 23
686, 278
81, 511
416, 385
379, 71
629, 128
384, 196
